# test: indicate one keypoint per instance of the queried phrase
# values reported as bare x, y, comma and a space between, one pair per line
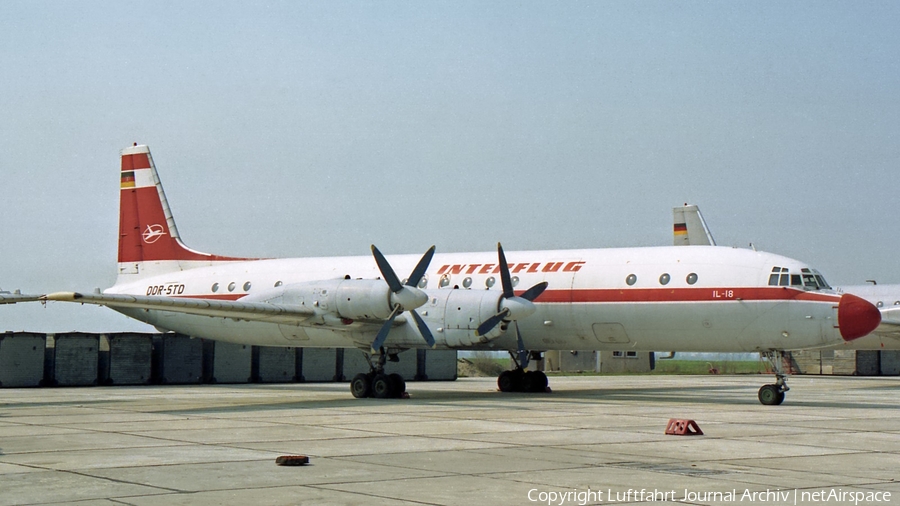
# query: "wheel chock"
292, 460
678, 427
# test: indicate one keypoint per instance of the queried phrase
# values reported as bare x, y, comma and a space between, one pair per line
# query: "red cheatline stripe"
647, 295
683, 295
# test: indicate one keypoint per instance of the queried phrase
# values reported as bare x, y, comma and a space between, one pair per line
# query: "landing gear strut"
376, 383
520, 380
773, 394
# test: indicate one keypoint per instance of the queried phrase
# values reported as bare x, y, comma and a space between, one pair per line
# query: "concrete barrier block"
231, 363
130, 358
182, 360
277, 365
867, 363
890, 363
22, 359
76, 359
440, 365
319, 364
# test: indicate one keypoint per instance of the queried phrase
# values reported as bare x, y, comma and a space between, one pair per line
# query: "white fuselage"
713, 299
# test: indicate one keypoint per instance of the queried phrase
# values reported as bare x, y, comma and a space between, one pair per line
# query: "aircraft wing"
12, 298
257, 311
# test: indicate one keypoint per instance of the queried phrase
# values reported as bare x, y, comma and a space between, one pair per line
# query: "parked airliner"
690, 229
525, 302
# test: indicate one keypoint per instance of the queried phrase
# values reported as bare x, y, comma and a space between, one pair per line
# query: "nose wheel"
773, 394
770, 395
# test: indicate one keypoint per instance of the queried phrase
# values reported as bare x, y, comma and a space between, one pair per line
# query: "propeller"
403, 297
511, 307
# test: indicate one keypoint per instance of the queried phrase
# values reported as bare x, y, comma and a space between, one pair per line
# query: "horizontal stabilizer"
256, 311
12, 298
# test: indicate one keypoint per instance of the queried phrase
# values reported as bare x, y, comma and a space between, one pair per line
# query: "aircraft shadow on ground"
420, 394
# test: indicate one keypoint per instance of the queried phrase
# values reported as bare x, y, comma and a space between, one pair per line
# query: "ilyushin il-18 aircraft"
697, 299
690, 229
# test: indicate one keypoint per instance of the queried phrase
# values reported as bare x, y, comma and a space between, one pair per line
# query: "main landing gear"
520, 380
773, 394
376, 383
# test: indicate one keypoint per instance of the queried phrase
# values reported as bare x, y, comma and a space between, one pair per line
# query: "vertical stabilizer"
690, 227
148, 238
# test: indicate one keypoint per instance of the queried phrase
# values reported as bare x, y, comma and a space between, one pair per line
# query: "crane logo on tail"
153, 233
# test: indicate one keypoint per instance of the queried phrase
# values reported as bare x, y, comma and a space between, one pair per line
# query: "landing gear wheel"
382, 388
511, 381
770, 395
397, 384
535, 381
360, 386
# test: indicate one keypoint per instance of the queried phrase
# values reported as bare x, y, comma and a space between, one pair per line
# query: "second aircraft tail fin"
690, 227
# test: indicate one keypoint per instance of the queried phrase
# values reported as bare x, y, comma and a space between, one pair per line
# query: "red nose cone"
856, 317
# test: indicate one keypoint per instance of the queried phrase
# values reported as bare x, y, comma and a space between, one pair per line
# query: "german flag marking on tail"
128, 179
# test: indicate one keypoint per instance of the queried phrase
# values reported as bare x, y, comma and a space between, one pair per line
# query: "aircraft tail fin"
690, 227
149, 242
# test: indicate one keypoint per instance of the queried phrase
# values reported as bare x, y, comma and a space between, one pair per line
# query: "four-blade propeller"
512, 307
408, 297
403, 297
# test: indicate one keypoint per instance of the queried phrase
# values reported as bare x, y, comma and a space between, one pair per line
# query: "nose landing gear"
773, 394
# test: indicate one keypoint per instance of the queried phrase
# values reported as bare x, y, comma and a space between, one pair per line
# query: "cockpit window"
808, 279
773, 278
779, 277
823, 285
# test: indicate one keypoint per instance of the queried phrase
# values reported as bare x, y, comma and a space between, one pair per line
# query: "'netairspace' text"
832, 495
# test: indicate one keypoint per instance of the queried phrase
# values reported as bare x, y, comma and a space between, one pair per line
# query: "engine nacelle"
363, 299
460, 312
351, 299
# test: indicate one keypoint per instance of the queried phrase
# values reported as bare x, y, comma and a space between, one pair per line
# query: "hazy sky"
310, 129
